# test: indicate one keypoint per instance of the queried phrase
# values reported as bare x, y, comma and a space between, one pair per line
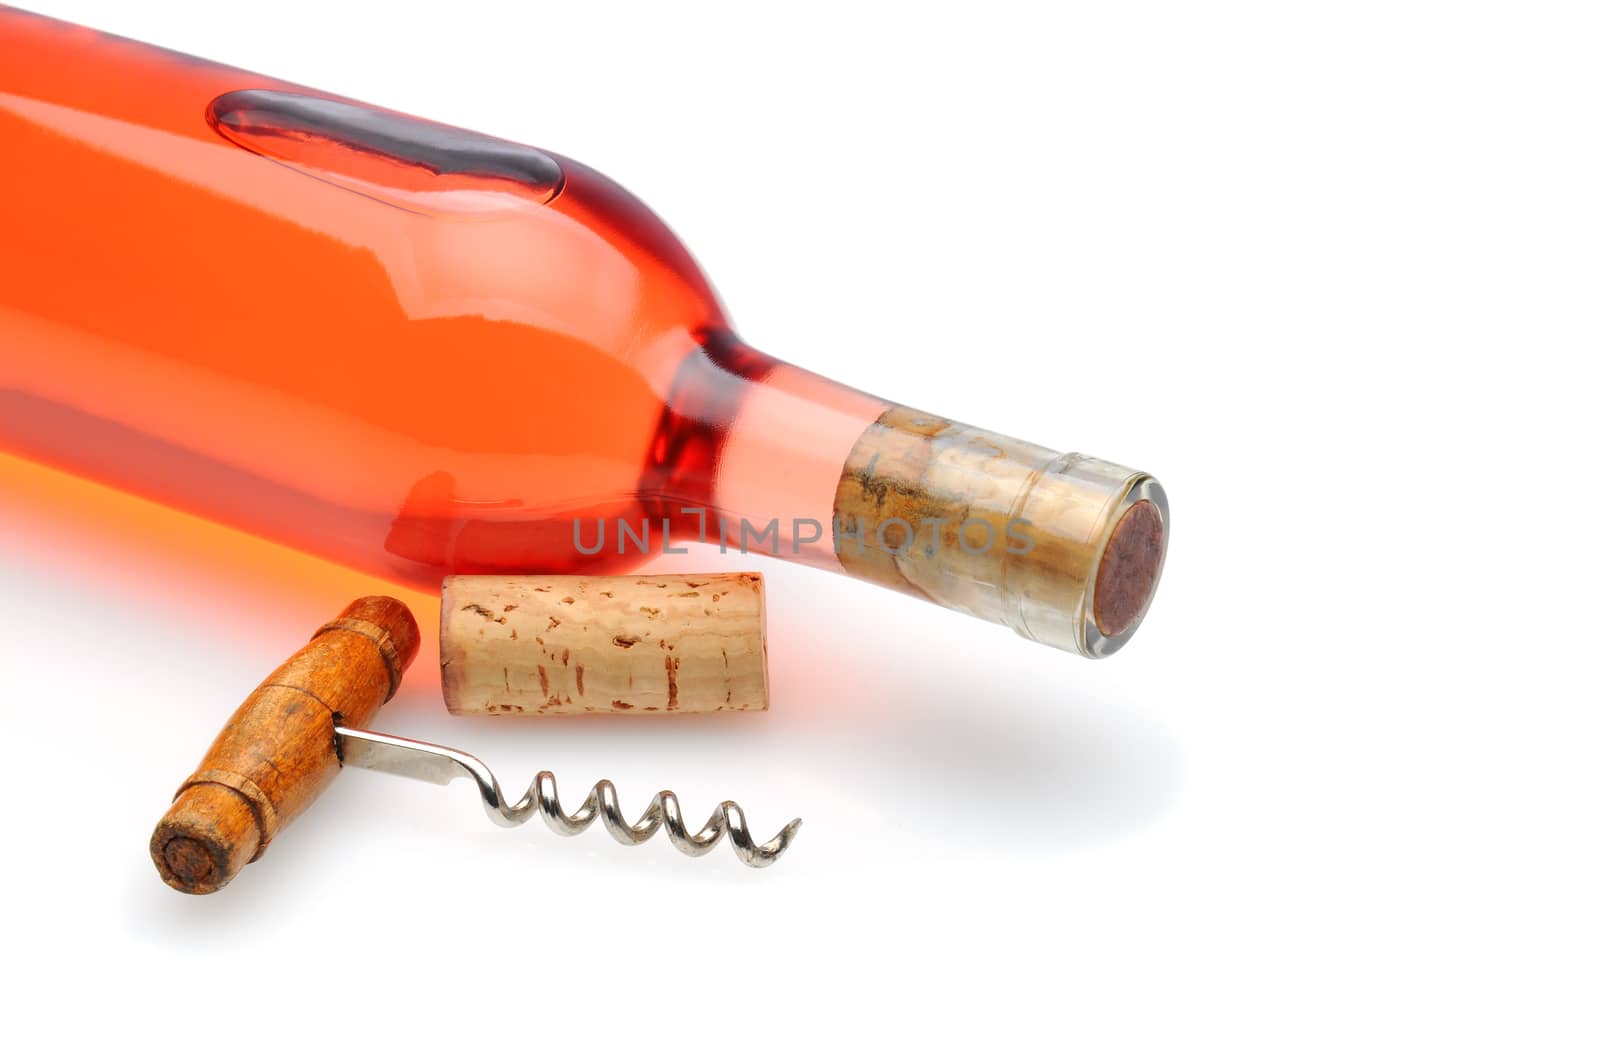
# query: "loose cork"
277, 752
557, 645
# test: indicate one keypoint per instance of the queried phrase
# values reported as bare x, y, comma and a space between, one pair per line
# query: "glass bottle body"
411, 371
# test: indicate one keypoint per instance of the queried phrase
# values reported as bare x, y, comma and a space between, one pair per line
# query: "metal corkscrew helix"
441, 764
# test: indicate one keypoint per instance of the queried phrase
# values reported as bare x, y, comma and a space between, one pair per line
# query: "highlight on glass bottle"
420, 351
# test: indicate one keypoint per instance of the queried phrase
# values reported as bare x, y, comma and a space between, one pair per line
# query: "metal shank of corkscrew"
440, 764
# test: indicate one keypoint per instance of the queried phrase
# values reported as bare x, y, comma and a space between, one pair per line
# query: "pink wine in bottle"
419, 350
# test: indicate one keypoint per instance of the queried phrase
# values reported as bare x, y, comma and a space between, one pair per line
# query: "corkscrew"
288, 740
441, 765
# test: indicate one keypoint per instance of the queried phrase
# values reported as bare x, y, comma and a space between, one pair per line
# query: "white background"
1327, 269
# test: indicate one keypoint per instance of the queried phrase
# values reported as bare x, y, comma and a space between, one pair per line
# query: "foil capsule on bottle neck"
1064, 549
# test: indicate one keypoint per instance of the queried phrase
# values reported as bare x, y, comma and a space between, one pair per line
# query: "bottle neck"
1062, 548
781, 460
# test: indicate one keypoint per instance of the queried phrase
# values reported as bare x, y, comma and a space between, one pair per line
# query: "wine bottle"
419, 350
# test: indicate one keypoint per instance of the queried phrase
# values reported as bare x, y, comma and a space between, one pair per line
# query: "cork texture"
556, 645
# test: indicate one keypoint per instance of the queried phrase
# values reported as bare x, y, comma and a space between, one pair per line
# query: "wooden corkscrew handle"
278, 751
